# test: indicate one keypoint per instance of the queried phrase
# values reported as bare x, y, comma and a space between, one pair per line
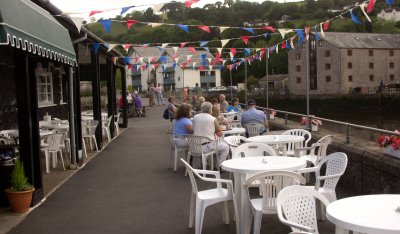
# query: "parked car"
233, 88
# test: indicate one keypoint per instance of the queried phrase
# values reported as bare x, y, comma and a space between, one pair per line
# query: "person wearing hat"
252, 115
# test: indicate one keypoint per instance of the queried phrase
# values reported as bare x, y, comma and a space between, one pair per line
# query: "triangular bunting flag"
201, 68
194, 65
322, 30
354, 18
78, 22
141, 59
127, 60
163, 45
283, 31
292, 39
203, 43
223, 61
154, 25
96, 47
283, 44
206, 48
110, 47
233, 51
389, 2
125, 9
188, 57
371, 5
175, 48
221, 29
158, 7
174, 65
270, 28
183, 65
245, 39
251, 30
326, 25
209, 60
143, 67
106, 24
94, 12
176, 60
224, 42
219, 50
126, 47
114, 59
210, 67
246, 51
129, 23
183, 44
193, 50
362, 6
204, 28
183, 27
266, 35
203, 57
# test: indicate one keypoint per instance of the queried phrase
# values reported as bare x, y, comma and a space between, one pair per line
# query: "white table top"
42, 133
56, 126
229, 113
276, 139
367, 214
235, 131
261, 164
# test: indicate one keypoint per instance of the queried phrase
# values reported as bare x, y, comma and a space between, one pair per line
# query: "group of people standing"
208, 120
156, 91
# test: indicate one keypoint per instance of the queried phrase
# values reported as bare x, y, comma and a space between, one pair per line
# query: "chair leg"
95, 143
225, 213
84, 147
192, 209
200, 209
257, 222
62, 159
47, 159
175, 158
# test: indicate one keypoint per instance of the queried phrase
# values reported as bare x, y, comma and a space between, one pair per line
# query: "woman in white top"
204, 124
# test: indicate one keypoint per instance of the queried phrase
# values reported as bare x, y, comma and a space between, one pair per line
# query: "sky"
89, 5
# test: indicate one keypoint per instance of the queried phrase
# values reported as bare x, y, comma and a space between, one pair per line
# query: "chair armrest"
307, 170
328, 177
207, 172
298, 226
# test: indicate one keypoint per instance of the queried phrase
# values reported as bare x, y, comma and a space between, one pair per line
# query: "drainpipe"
72, 118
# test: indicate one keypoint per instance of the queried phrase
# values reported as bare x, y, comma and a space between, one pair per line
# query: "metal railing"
345, 124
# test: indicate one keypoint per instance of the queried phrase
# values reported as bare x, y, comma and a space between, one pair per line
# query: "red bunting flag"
127, 46
175, 56
233, 51
183, 44
129, 23
189, 3
245, 39
204, 28
217, 56
326, 25
94, 12
370, 6
129, 66
229, 67
201, 68
283, 44
193, 50
143, 67
153, 59
137, 59
155, 66
270, 28
183, 65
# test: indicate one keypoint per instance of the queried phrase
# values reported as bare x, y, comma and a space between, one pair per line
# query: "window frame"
328, 79
350, 78
48, 91
327, 53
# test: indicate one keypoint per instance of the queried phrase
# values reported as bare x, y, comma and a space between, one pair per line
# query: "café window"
44, 86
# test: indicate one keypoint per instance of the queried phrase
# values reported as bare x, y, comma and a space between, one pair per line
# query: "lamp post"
230, 72
245, 82
266, 74
308, 125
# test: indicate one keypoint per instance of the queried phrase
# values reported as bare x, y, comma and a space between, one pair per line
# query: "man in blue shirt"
252, 115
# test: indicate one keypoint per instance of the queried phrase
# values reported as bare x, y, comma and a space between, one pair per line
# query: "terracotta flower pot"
20, 201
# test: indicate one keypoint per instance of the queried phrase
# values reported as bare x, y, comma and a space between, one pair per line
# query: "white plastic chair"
200, 200
251, 149
176, 150
297, 132
53, 147
296, 208
271, 183
236, 124
5, 140
234, 142
336, 164
90, 133
253, 129
106, 127
116, 122
196, 150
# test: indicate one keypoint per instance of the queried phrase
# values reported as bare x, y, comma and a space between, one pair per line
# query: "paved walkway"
128, 188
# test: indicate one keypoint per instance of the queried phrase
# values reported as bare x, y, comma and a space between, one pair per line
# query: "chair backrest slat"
251, 149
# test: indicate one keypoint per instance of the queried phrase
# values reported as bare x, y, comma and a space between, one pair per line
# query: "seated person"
235, 107
252, 115
204, 124
171, 108
216, 113
137, 101
195, 103
223, 103
183, 125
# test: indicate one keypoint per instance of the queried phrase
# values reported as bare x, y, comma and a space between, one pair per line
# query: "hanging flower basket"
390, 144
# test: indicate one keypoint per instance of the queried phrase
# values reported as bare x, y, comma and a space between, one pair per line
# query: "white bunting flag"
163, 45
277, 48
209, 60
149, 59
284, 31
78, 22
175, 48
223, 61
224, 42
221, 29
154, 25
322, 30
110, 47
176, 59
141, 60
188, 57
231, 54
210, 67
362, 6
219, 50
194, 65
158, 7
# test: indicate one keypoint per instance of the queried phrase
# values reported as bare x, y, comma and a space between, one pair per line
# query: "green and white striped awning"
26, 26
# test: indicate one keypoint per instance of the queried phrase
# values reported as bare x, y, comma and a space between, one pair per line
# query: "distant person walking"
151, 91
159, 95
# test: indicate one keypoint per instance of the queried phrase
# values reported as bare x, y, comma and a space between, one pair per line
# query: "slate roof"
363, 40
272, 78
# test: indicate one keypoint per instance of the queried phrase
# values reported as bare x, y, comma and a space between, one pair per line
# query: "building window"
44, 86
371, 77
320, 43
350, 66
371, 53
391, 53
391, 77
371, 65
304, 45
179, 78
298, 56
298, 68
212, 73
328, 78
349, 52
298, 80
328, 66
350, 78
327, 53
391, 65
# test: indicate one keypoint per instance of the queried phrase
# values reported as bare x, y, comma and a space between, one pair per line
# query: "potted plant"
20, 193
314, 123
391, 144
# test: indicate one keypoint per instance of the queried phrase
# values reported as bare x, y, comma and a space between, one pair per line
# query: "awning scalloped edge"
39, 50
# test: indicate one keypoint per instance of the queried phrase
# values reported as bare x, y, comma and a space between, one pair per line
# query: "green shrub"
19, 182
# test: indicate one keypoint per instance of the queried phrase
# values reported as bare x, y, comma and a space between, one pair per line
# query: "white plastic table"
241, 166
280, 140
235, 131
372, 214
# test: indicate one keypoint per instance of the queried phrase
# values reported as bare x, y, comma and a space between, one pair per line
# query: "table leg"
284, 150
340, 230
243, 204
